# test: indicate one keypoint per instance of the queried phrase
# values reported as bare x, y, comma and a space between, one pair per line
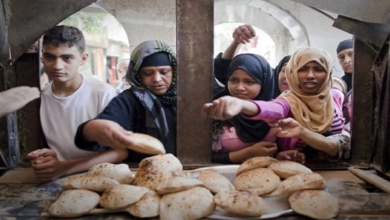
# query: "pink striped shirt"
279, 109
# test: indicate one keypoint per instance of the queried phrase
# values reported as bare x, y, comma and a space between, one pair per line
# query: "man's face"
61, 63
346, 60
122, 69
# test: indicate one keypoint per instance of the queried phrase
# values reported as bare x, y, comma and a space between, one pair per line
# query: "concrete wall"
145, 19
156, 19
319, 28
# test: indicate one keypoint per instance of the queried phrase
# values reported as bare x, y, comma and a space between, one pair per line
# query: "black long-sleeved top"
128, 111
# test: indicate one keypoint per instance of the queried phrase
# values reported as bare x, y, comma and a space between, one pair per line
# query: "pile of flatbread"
161, 189
266, 176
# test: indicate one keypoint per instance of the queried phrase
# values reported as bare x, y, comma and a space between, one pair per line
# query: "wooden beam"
195, 23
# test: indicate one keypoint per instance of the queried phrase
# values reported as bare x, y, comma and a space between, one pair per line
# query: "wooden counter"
23, 197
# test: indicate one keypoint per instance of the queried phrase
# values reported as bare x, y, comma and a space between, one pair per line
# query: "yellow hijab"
314, 112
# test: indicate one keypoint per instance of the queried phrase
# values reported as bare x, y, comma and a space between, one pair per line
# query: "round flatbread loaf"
259, 181
147, 207
299, 182
89, 182
121, 196
177, 184
118, 172
194, 203
74, 203
255, 162
316, 204
241, 202
214, 181
146, 144
286, 168
156, 169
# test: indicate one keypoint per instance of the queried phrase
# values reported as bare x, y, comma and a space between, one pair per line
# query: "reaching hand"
223, 108
244, 33
292, 155
15, 98
108, 133
46, 165
264, 149
286, 128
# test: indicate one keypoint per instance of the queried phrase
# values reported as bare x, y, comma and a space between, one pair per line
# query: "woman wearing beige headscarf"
311, 102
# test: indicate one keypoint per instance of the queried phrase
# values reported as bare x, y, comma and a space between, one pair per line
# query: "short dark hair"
63, 34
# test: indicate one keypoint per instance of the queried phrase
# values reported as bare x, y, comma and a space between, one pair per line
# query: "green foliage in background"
91, 23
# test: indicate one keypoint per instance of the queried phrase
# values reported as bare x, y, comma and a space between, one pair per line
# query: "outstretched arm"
289, 128
241, 35
47, 167
108, 133
15, 98
227, 107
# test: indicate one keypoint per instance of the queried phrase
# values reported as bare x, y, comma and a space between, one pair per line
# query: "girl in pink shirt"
249, 77
310, 102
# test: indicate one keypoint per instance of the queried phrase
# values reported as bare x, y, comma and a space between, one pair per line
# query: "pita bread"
316, 204
241, 202
89, 182
176, 184
146, 144
156, 169
255, 162
194, 203
259, 181
300, 182
74, 203
121, 196
118, 172
215, 181
286, 168
147, 207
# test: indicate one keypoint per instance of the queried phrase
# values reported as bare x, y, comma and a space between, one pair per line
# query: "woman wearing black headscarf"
249, 77
280, 76
148, 107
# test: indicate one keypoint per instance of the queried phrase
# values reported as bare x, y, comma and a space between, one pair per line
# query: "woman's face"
311, 77
157, 79
243, 86
346, 60
283, 85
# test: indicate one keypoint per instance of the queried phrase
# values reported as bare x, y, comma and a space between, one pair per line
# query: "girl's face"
243, 86
283, 85
311, 77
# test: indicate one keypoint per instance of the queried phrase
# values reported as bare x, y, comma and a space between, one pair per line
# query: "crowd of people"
296, 111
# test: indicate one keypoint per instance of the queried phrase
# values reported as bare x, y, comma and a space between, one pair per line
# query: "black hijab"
277, 70
259, 69
343, 45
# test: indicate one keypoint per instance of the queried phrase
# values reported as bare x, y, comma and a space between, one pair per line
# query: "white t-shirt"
60, 116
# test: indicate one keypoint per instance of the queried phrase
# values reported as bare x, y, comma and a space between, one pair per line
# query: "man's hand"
244, 33
292, 155
108, 133
46, 165
15, 98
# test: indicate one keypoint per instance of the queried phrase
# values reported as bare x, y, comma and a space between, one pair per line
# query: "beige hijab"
314, 112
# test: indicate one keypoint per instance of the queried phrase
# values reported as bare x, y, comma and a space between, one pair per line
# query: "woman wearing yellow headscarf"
311, 102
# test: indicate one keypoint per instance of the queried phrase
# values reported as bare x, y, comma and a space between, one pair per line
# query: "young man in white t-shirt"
69, 100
